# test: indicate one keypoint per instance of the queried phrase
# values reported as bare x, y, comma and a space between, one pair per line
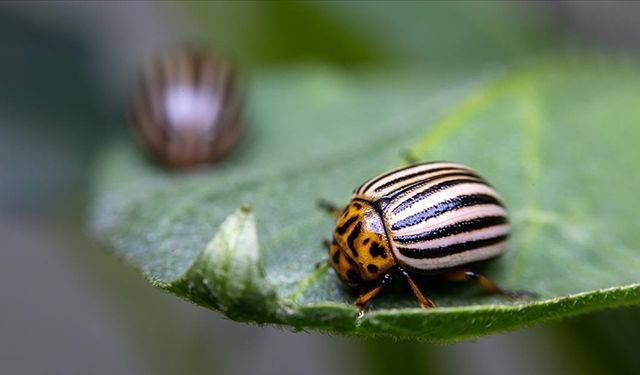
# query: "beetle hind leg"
486, 284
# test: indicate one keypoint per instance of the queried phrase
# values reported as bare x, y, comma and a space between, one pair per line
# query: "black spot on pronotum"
341, 230
336, 257
356, 205
365, 241
376, 250
353, 276
372, 268
352, 238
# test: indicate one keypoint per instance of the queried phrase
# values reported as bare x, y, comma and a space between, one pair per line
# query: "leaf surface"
556, 138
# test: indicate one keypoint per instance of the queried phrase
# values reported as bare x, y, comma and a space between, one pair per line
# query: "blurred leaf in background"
44, 111
383, 33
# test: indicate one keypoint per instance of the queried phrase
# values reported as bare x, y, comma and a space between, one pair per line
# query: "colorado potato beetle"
186, 108
428, 218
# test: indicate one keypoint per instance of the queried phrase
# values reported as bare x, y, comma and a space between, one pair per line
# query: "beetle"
186, 108
427, 218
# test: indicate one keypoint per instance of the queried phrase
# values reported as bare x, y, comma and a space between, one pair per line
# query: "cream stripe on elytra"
450, 261
419, 171
450, 218
472, 235
394, 180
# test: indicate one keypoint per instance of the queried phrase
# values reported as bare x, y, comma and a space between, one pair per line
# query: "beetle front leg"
425, 302
486, 284
330, 208
363, 299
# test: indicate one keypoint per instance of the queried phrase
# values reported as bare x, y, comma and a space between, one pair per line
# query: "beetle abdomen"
439, 215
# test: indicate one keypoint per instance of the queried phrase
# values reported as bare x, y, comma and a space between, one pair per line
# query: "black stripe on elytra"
416, 184
368, 184
453, 229
453, 171
444, 251
445, 206
352, 237
341, 230
432, 190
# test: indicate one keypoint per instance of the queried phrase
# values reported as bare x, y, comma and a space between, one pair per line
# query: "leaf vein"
530, 111
308, 281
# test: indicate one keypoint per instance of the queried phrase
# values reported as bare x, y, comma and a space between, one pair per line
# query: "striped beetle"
428, 218
186, 108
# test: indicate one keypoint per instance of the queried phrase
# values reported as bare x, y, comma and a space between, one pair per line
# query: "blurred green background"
67, 307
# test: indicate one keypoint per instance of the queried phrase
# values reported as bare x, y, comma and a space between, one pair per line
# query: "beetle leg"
363, 299
330, 208
327, 244
425, 302
486, 284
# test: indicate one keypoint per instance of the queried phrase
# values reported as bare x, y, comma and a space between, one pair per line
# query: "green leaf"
556, 138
